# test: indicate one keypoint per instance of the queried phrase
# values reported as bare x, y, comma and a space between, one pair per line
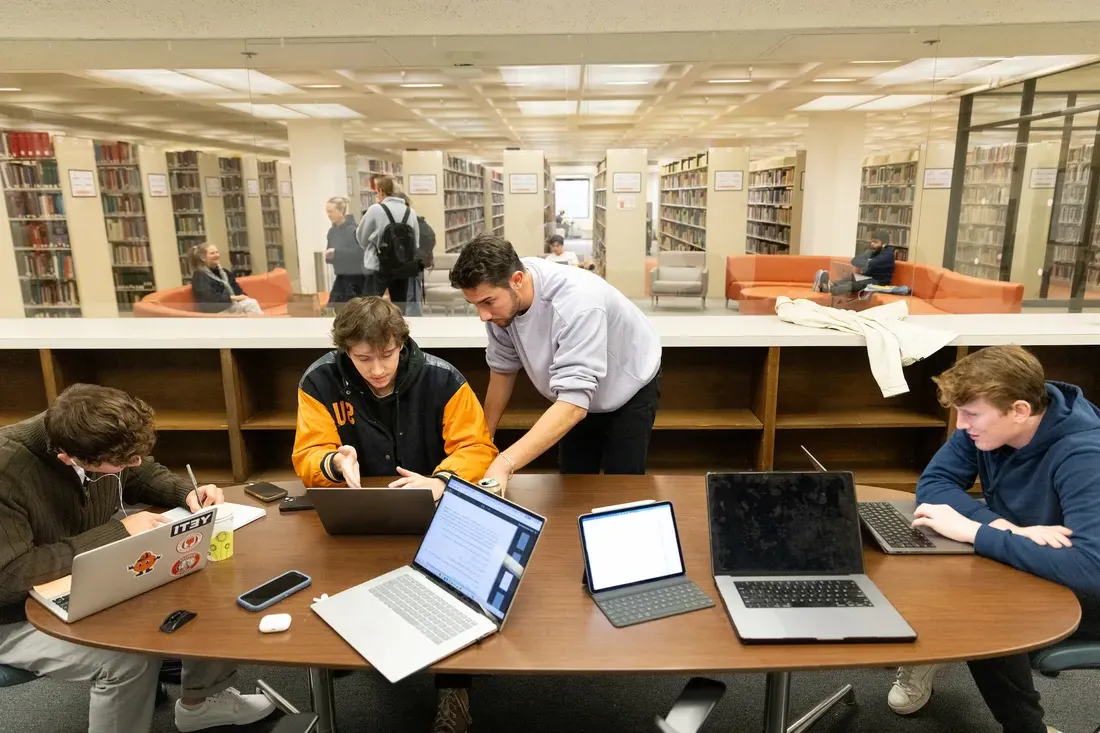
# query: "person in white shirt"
558, 253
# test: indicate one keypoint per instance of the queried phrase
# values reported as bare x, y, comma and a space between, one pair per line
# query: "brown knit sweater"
47, 517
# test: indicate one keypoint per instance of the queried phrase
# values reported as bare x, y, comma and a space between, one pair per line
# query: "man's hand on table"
1055, 536
208, 496
412, 480
346, 461
946, 521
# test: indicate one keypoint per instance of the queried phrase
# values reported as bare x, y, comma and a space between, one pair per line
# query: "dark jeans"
398, 287
346, 287
849, 285
1009, 691
617, 442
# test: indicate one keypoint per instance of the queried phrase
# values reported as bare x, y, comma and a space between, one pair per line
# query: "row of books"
235, 222
123, 203
131, 254
463, 217
122, 230
985, 196
692, 217
999, 175
761, 247
898, 237
229, 165
894, 174
461, 182
700, 160
30, 174
991, 154
273, 237
779, 233
980, 235
696, 197
772, 177
982, 270
498, 210
183, 181
24, 204
271, 219
275, 256
996, 216
26, 145
115, 153
887, 196
265, 167
40, 234
183, 159
120, 179
126, 299
240, 262
691, 179
885, 215
238, 241
55, 265
134, 279
454, 163
456, 239
234, 202
695, 237
772, 196
232, 185
190, 225
46, 292
460, 199
770, 214
186, 202
269, 202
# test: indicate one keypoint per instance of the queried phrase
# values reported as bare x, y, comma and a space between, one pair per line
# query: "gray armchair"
679, 274
438, 292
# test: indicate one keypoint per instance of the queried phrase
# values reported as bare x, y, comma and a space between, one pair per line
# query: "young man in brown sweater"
63, 476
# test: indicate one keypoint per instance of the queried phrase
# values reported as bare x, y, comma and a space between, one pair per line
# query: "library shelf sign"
523, 183
729, 180
1044, 177
420, 183
253, 186
158, 185
213, 186
626, 183
82, 184
937, 177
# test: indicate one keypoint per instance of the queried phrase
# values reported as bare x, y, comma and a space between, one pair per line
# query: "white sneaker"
228, 707
912, 689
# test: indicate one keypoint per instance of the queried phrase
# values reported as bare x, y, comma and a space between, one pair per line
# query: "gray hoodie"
374, 222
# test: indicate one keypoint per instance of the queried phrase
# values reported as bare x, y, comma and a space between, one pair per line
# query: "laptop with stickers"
117, 572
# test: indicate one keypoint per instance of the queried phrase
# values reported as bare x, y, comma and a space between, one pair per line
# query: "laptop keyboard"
653, 604
62, 601
801, 594
892, 525
423, 609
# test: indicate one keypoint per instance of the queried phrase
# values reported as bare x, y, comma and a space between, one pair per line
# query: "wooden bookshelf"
124, 216
887, 201
984, 211
683, 204
549, 208
494, 202
35, 211
463, 202
1067, 229
197, 206
774, 221
236, 222
749, 408
599, 220
272, 222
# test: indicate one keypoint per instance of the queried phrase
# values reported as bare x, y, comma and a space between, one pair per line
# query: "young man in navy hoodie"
1035, 445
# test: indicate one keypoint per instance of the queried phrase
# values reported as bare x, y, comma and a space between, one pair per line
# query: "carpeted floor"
366, 703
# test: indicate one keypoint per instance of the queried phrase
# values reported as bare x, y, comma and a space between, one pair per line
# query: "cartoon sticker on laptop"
189, 543
144, 564
185, 564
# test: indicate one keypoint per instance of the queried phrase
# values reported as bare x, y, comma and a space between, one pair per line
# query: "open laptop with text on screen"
788, 560
891, 524
459, 589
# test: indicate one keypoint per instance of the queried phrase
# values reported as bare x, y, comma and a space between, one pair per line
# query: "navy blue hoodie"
1054, 479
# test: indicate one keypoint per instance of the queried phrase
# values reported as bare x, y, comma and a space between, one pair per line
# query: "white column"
318, 172
834, 167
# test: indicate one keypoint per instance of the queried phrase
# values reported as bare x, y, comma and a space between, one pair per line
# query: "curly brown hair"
1000, 375
97, 425
371, 320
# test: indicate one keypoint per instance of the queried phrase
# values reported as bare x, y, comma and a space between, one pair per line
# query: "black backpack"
396, 246
425, 254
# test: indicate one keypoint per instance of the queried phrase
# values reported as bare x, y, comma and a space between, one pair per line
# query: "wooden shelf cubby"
230, 413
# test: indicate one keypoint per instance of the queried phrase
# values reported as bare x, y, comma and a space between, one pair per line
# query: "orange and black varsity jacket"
435, 421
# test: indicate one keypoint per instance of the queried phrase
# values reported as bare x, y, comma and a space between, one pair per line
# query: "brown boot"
452, 712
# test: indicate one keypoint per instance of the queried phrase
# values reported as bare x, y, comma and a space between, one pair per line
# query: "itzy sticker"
185, 564
188, 543
144, 564
192, 523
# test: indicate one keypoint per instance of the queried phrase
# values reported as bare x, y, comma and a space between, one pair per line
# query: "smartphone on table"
265, 491
274, 590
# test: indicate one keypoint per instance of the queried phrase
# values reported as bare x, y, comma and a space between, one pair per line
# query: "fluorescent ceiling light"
891, 61
265, 111
729, 81
546, 109
932, 69
321, 86
836, 102
898, 101
831, 80
10, 89
422, 85
543, 77
326, 111
161, 80
1018, 66
609, 106
242, 80
627, 83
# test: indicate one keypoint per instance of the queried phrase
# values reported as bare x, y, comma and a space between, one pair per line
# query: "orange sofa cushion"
746, 271
917, 306
923, 280
963, 294
270, 289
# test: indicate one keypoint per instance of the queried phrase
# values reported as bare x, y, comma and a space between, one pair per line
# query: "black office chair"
692, 707
1067, 656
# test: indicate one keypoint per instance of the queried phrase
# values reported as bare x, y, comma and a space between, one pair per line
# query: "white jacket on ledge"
891, 342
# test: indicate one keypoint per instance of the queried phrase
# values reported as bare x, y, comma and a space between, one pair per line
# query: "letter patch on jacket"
343, 412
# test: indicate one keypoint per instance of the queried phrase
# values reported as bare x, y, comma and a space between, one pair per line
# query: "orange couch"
271, 290
936, 290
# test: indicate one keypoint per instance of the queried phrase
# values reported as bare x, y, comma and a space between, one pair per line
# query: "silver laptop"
891, 524
788, 560
459, 588
373, 511
117, 572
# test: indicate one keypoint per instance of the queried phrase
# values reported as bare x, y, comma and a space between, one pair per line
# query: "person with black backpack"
425, 259
390, 237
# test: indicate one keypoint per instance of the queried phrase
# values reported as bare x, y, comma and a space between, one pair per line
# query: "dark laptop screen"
783, 524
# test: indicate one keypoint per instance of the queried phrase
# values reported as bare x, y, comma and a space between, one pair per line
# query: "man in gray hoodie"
584, 346
369, 233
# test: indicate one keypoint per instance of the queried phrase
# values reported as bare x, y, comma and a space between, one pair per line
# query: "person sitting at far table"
63, 476
379, 406
215, 288
1035, 445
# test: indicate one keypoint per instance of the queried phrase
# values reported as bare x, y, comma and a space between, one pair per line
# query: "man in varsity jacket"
379, 406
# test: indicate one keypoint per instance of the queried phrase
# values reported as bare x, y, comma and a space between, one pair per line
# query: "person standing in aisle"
425, 258
584, 346
215, 288
390, 237
343, 252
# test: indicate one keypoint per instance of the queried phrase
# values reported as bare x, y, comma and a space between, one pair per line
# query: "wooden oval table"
962, 607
